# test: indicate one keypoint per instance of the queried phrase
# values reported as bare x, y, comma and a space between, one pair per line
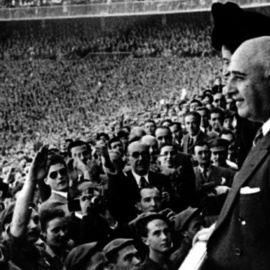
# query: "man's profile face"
192, 125
248, 84
159, 236
150, 200
128, 259
56, 233
226, 59
139, 157
81, 152
202, 154
57, 177
163, 136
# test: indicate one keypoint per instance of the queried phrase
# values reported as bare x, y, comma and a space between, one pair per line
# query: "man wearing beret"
122, 254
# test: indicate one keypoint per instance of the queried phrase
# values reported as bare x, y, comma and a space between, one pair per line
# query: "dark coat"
241, 239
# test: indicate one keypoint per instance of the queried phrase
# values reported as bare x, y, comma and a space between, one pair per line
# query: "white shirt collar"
63, 194
266, 127
138, 177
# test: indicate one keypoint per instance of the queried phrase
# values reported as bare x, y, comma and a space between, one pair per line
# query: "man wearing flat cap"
122, 254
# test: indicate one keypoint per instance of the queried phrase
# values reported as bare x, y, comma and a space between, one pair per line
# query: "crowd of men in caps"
132, 201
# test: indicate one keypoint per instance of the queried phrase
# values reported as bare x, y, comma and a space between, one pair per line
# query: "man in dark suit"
241, 238
212, 182
124, 190
192, 123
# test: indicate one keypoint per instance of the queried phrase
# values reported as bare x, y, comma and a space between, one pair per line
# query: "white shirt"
138, 178
266, 127
63, 194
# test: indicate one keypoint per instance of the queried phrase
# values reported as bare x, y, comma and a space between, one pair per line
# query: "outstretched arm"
21, 215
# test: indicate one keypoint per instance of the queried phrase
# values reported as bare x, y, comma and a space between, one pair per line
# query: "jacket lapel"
253, 160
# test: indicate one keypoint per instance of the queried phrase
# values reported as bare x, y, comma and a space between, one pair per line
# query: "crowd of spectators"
77, 133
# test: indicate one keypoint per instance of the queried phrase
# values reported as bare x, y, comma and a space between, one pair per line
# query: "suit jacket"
57, 198
209, 203
182, 181
218, 176
123, 193
201, 137
241, 239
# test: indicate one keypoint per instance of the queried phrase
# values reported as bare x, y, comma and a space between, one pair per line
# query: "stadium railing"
114, 8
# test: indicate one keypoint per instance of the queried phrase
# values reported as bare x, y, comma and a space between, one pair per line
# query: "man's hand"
204, 234
165, 196
37, 170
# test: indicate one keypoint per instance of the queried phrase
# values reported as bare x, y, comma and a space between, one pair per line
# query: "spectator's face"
192, 125
249, 85
218, 157
228, 123
219, 101
117, 146
150, 128
230, 104
159, 236
216, 121
163, 136
202, 154
33, 228
226, 59
204, 118
81, 152
139, 157
56, 233
153, 148
57, 177
150, 200
128, 259
167, 157
176, 133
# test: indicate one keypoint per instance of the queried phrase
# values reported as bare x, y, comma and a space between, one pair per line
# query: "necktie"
190, 142
143, 182
258, 136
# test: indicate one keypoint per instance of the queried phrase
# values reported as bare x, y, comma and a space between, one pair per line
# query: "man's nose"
230, 87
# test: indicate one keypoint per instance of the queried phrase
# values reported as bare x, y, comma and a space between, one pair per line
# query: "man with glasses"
57, 179
126, 190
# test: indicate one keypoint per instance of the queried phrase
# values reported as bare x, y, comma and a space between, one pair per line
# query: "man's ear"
46, 181
145, 241
138, 207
